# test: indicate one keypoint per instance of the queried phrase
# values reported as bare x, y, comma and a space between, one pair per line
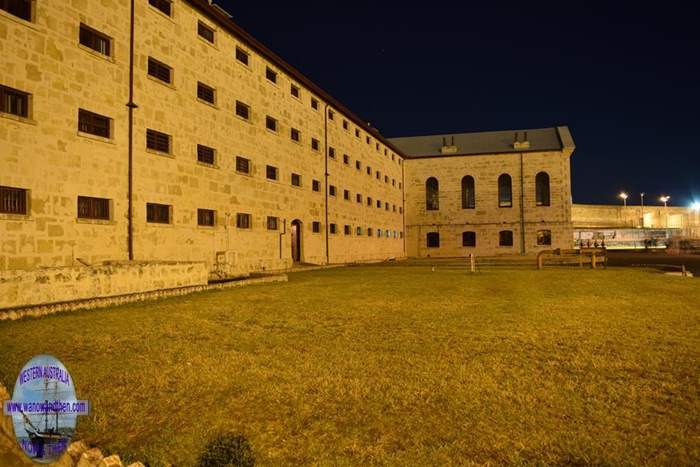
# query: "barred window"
242, 165
205, 154
315, 144
468, 238
159, 70
316, 185
272, 223
94, 124
433, 239
13, 200
242, 110
369, 170
271, 172
331, 190
242, 56
296, 179
358, 165
295, 90
432, 194
468, 193
243, 221
295, 134
165, 6
271, 123
369, 231
158, 213
95, 40
331, 152
346, 159
358, 198
316, 226
206, 217
346, 229
358, 231
333, 228
346, 194
271, 74
205, 32
19, 8
13, 101
205, 93
157, 141
93, 208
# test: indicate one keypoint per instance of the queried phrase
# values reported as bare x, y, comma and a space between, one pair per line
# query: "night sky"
624, 78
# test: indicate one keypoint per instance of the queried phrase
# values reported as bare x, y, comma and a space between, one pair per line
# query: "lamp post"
624, 197
664, 199
641, 207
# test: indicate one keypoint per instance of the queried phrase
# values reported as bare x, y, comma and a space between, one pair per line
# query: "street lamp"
641, 207
664, 199
624, 197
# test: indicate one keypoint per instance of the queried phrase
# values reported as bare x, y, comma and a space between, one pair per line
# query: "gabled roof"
487, 142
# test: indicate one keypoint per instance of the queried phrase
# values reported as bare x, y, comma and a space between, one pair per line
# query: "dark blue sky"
624, 77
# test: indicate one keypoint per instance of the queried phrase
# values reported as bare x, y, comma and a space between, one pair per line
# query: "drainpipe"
325, 171
522, 206
131, 106
403, 204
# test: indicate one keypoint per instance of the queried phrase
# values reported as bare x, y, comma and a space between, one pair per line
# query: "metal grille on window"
93, 208
205, 217
14, 102
159, 70
93, 123
94, 40
157, 141
13, 200
205, 154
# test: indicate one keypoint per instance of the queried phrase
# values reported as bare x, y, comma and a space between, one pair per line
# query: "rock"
90, 458
111, 461
76, 449
137, 464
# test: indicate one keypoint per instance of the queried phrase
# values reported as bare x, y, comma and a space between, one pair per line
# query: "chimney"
448, 149
520, 145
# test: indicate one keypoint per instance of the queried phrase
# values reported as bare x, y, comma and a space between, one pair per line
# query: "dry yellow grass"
393, 365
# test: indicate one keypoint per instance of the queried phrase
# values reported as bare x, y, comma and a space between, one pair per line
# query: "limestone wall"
53, 285
613, 216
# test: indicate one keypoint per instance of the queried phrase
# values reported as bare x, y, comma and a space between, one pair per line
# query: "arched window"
432, 194
468, 195
542, 189
505, 191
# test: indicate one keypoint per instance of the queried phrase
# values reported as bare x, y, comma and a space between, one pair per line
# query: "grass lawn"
395, 365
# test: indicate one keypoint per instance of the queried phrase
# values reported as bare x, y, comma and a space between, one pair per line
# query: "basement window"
95, 40
206, 217
93, 208
13, 200
13, 101
158, 213
94, 124
19, 8
164, 6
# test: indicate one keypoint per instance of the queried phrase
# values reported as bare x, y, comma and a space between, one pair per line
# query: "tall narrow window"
158, 213
505, 238
93, 123
159, 70
505, 191
157, 141
468, 195
206, 217
433, 240
205, 32
93, 208
468, 238
19, 8
13, 200
205, 154
542, 195
94, 40
165, 6
432, 194
14, 102
205, 93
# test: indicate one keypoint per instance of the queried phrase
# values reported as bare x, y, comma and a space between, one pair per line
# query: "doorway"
296, 240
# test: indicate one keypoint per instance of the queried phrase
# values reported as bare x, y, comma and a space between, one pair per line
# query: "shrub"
229, 449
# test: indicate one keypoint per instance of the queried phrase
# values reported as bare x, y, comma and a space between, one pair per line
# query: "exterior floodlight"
624, 197
664, 199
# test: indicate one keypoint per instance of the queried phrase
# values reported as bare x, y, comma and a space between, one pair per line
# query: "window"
295, 135
358, 197
544, 237
369, 231
314, 103
399, 185
242, 56
316, 226
468, 197
14, 102
19, 8
369, 201
294, 89
205, 32
272, 223
378, 174
331, 152
315, 185
432, 194
386, 206
369, 140
400, 210
379, 204
243, 110
346, 159
346, 229
242, 165
369, 170
433, 239
243, 220
206, 217
358, 165
346, 125
13, 200
331, 190
95, 40
331, 114
379, 233
346, 194
158, 213
314, 144
393, 182
358, 231
357, 133
165, 6
271, 172
542, 196
468, 238
393, 207
205, 93
93, 208
333, 228
93, 123
386, 179
205, 154
505, 238
296, 179
505, 191
271, 123
157, 141
271, 74
159, 70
